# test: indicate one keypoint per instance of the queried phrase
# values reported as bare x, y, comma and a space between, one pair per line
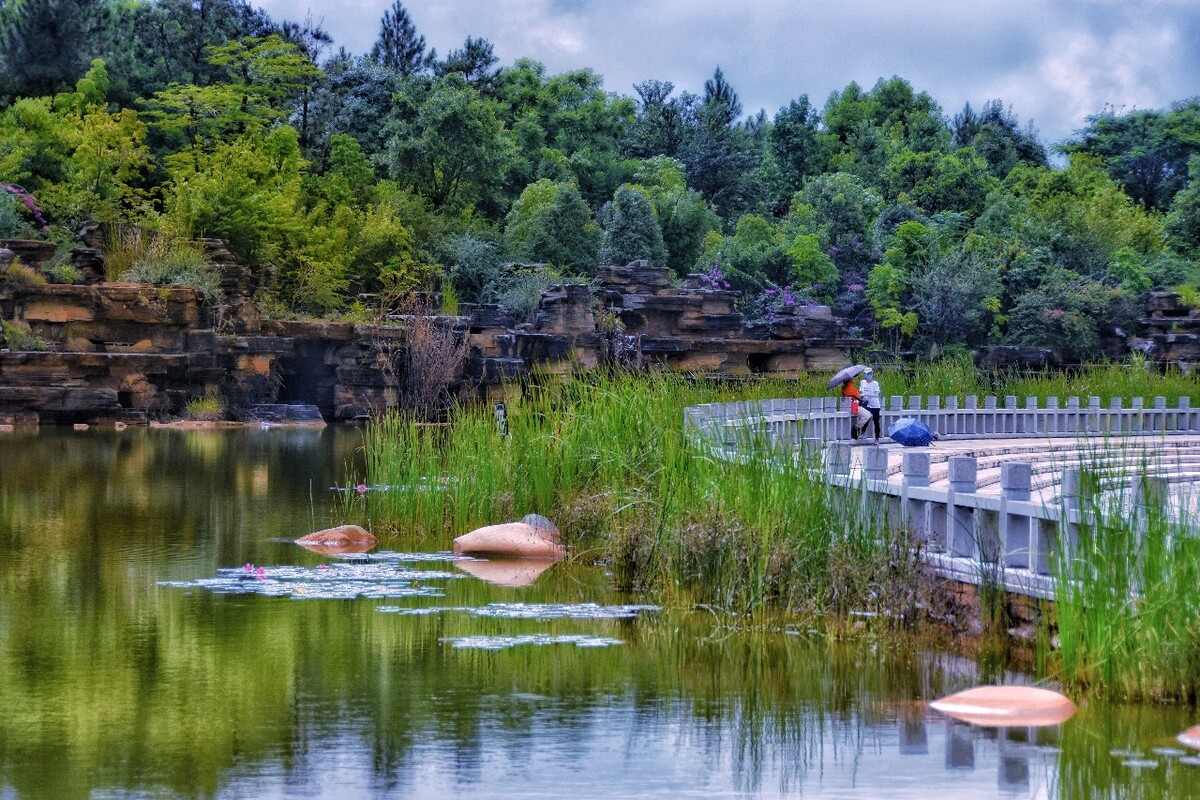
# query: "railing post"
1010, 414
1066, 539
1073, 426
916, 474
1016, 480
1186, 417
1053, 417
1093, 424
1160, 415
837, 460
989, 419
960, 519
1031, 419
971, 420
953, 424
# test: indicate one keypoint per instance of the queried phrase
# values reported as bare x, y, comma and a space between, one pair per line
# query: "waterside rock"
1004, 706
513, 539
1190, 737
341, 537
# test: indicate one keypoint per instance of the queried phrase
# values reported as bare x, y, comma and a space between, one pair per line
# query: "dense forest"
336, 176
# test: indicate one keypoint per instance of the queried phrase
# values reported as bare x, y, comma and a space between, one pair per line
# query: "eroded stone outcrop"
133, 352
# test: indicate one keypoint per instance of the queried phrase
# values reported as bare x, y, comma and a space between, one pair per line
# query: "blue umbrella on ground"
910, 432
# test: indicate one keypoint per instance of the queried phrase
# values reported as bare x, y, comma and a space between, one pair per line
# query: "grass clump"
19, 338
208, 408
1128, 595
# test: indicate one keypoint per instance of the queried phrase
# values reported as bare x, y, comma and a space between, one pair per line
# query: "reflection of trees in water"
114, 681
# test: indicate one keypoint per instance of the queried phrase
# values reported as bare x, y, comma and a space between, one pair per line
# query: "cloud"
1054, 61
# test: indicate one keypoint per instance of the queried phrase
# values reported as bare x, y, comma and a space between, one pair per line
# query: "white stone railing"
1012, 537
818, 420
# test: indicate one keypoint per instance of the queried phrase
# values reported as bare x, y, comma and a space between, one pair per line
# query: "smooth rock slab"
1190, 737
515, 539
342, 539
1003, 706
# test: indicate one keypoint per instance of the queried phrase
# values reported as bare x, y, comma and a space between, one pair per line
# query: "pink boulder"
1191, 737
343, 536
516, 539
1003, 706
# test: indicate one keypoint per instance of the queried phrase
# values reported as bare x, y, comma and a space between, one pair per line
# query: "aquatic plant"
607, 457
1128, 594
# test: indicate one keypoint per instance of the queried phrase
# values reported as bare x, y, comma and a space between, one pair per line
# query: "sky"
1053, 62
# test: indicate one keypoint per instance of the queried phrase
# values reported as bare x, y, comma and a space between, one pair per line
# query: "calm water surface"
140, 657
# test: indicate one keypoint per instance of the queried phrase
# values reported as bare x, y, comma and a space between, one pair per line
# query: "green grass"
1128, 598
208, 408
607, 460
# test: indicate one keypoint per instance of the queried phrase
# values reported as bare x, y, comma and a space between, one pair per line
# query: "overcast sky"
1053, 61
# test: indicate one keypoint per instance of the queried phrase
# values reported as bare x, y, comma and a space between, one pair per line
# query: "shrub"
208, 408
173, 263
17, 274
20, 338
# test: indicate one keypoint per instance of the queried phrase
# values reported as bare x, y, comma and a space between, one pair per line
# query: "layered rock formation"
101, 352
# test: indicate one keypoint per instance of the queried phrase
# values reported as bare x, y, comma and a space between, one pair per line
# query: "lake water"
143, 654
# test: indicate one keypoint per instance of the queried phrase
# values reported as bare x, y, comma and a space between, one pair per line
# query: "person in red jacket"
851, 391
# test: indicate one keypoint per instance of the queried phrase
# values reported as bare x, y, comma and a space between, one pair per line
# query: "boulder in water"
1004, 706
1190, 737
513, 539
347, 538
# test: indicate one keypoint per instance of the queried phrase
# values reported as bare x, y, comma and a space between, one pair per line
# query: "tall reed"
1128, 594
607, 458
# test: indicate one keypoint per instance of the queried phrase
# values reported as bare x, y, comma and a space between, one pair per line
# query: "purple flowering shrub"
713, 280
17, 206
779, 301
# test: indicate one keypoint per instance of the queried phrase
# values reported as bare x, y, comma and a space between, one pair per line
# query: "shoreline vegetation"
766, 541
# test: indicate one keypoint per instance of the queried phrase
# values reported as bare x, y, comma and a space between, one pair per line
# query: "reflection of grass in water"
608, 460
1100, 738
1128, 601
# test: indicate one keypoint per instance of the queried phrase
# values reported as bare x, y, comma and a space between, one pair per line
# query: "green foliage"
453, 148
19, 338
550, 223
21, 275
682, 214
171, 263
631, 230
208, 408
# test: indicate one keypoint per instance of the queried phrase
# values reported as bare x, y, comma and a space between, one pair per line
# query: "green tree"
44, 44
399, 46
453, 148
631, 231
550, 223
995, 136
935, 182
682, 214
1146, 152
1183, 223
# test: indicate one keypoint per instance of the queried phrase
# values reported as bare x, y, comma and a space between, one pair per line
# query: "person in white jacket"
872, 398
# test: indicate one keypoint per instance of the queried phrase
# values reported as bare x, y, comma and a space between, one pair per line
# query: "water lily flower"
249, 567
262, 573
362, 488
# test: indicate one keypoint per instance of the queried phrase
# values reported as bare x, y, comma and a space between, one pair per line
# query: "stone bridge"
1000, 494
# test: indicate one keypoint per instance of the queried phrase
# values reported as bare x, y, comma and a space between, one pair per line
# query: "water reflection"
124, 675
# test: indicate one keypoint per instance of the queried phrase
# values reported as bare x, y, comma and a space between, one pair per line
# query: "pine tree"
399, 46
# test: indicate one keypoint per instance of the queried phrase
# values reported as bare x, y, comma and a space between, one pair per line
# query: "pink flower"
322, 566
362, 488
262, 573
249, 567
